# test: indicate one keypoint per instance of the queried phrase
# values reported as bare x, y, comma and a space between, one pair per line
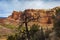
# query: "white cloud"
8, 7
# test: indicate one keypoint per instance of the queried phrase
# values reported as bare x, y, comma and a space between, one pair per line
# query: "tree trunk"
27, 32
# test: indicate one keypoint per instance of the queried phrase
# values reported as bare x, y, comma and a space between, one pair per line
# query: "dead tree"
26, 18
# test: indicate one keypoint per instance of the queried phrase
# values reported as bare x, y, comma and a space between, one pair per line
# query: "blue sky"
8, 6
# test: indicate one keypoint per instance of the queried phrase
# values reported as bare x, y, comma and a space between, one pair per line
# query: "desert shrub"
20, 33
47, 33
10, 26
37, 33
57, 28
11, 37
33, 30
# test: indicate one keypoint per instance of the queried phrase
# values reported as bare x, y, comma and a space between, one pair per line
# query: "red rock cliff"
45, 16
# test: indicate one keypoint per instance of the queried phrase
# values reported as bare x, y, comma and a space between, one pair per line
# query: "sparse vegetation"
10, 26
36, 33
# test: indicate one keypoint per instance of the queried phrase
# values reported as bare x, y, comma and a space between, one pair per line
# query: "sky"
8, 6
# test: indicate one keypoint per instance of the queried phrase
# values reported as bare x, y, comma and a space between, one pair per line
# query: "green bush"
11, 37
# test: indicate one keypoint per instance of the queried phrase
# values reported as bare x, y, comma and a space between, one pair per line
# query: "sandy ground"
3, 39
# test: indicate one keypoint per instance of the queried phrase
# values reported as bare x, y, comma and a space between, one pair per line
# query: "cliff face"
45, 17
44, 20
15, 15
14, 18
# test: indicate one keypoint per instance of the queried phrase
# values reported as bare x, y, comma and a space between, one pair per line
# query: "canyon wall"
44, 20
46, 16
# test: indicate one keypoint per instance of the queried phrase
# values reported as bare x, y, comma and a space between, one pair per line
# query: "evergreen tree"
57, 23
42, 34
33, 30
57, 28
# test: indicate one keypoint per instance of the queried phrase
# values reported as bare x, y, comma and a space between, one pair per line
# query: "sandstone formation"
44, 20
